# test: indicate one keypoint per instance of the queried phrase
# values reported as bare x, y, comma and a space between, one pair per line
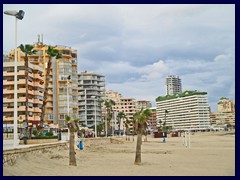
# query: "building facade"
188, 110
62, 93
225, 116
173, 85
91, 90
143, 104
35, 92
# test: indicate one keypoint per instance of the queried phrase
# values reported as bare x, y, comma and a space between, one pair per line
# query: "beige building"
225, 114
143, 104
61, 100
35, 91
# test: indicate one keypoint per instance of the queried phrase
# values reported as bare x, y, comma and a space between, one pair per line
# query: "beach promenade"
210, 154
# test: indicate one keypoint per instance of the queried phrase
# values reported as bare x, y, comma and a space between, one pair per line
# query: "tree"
127, 124
121, 116
72, 124
108, 104
51, 53
27, 50
165, 118
141, 117
99, 128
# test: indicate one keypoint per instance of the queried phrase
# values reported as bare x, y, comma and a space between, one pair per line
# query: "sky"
136, 46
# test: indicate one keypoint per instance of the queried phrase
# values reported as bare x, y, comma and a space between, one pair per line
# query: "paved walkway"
8, 144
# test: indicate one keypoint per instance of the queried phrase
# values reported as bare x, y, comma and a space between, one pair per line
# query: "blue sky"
136, 46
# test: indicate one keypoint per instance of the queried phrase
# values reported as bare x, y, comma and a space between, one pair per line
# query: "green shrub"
45, 137
49, 134
35, 132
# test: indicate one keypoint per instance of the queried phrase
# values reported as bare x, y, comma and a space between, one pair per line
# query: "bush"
49, 134
45, 137
35, 132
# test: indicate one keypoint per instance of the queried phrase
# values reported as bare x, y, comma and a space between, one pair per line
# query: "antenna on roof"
42, 38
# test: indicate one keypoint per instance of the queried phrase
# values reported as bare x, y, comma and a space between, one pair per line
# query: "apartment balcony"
37, 92
38, 76
11, 109
21, 90
30, 118
21, 81
21, 99
8, 118
36, 118
5, 73
37, 109
49, 99
38, 84
38, 101
8, 100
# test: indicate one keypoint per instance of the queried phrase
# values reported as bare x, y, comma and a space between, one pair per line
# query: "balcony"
8, 91
37, 109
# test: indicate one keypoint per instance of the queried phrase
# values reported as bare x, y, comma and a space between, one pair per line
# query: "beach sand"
210, 154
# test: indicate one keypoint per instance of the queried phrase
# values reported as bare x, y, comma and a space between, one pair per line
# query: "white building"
91, 88
173, 85
187, 110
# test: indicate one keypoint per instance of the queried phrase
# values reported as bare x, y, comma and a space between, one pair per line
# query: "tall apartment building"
61, 100
35, 92
91, 89
173, 85
187, 110
225, 114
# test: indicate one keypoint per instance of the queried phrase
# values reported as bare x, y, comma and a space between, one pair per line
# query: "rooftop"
184, 94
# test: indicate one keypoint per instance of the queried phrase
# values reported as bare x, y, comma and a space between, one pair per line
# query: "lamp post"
95, 115
18, 15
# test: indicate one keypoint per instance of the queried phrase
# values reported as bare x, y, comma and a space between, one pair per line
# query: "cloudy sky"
137, 46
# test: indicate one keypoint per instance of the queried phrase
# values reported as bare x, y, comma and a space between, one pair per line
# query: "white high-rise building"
187, 110
91, 89
173, 85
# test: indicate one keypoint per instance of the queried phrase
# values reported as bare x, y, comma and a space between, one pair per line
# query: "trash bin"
164, 140
59, 136
80, 145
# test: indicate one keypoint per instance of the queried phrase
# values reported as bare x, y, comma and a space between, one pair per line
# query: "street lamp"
95, 115
18, 15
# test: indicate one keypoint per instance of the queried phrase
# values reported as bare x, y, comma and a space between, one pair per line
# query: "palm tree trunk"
26, 81
46, 90
72, 158
138, 149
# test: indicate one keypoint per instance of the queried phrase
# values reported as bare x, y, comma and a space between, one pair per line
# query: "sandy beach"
210, 154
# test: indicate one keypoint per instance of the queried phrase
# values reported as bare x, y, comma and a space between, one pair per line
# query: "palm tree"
145, 131
108, 104
71, 126
141, 117
51, 53
121, 116
127, 123
27, 50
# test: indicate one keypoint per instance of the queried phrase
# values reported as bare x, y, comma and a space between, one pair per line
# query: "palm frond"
68, 118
